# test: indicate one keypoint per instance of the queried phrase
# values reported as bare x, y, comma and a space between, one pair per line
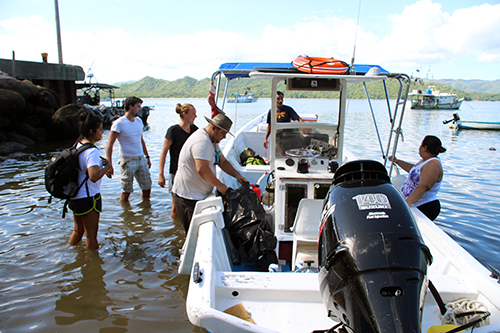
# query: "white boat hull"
480, 125
287, 301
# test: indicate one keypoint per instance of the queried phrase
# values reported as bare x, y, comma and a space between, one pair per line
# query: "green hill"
189, 87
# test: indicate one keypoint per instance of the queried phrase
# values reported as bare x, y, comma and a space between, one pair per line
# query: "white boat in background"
479, 125
433, 99
469, 124
352, 257
247, 97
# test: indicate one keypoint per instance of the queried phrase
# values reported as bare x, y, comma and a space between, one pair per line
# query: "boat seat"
253, 140
306, 230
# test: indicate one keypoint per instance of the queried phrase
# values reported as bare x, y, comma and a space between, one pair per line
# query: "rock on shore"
30, 114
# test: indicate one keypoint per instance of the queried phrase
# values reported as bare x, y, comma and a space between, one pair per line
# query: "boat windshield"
304, 139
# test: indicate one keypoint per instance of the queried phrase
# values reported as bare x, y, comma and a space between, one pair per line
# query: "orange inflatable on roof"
318, 65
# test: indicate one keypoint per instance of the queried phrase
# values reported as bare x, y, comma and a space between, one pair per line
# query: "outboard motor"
373, 262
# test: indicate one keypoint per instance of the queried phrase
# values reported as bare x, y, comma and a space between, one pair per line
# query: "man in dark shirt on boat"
284, 114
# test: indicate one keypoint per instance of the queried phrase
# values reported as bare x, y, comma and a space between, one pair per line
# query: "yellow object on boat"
442, 328
239, 311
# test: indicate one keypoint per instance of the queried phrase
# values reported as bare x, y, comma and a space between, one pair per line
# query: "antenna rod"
58, 28
356, 36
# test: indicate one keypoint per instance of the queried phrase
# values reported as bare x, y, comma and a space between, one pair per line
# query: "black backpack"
61, 174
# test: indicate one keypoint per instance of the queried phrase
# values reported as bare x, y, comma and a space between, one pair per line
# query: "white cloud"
421, 35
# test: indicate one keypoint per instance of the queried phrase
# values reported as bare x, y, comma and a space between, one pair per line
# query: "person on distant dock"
424, 178
87, 204
195, 178
284, 114
134, 160
174, 140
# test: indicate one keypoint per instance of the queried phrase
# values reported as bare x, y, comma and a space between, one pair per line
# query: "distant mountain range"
480, 86
188, 87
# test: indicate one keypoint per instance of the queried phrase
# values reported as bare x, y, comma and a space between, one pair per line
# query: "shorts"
84, 206
137, 169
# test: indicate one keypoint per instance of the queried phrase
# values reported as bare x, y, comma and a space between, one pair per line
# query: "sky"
126, 40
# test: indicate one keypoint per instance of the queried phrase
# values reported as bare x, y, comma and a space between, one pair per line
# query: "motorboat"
478, 125
112, 108
348, 254
433, 99
247, 97
470, 124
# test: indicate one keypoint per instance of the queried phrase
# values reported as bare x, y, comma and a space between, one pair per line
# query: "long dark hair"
88, 124
433, 144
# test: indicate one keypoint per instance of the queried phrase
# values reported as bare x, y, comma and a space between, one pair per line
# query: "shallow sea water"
131, 282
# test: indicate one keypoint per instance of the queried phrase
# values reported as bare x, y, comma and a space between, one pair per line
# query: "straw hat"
222, 122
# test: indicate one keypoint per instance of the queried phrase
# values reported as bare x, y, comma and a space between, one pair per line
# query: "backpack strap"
82, 148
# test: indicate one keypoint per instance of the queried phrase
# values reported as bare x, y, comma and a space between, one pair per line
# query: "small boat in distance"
469, 124
247, 97
433, 99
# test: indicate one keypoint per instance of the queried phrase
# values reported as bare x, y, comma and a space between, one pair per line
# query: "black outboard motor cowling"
373, 262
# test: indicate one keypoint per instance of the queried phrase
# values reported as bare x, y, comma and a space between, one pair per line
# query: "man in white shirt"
195, 178
134, 158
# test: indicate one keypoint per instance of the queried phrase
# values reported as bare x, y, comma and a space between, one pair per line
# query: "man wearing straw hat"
195, 178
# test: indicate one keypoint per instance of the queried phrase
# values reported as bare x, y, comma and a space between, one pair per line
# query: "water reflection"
86, 296
131, 283
136, 227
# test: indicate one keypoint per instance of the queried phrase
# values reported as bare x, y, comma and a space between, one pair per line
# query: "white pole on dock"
58, 28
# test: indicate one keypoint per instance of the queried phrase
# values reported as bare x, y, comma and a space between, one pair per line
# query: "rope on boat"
466, 313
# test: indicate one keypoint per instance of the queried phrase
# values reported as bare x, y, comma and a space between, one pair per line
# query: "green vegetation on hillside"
189, 87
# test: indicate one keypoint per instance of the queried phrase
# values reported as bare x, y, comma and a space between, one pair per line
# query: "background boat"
471, 124
247, 97
482, 125
433, 99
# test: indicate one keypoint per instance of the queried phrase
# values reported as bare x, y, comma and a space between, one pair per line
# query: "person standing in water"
134, 160
174, 140
87, 204
424, 177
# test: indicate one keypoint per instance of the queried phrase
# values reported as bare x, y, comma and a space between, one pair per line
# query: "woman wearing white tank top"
424, 177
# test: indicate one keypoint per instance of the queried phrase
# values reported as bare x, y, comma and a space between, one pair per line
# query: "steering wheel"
302, 153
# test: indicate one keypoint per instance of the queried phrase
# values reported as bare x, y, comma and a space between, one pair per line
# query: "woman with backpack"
87, 204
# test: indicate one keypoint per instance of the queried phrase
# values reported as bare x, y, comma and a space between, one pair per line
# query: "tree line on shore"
188, 87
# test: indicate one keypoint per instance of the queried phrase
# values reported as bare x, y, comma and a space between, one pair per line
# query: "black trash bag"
251, 235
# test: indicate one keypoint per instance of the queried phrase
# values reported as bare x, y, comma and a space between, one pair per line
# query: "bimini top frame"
278, 72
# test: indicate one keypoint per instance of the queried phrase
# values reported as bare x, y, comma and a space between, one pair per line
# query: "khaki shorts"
134, 168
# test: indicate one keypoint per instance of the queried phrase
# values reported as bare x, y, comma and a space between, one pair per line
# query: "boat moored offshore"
433, 99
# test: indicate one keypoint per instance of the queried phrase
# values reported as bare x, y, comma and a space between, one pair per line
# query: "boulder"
44, 114
10, 147
11, 102
47, 98
20, 139
25, 129
64, 122
4, 122
20, 87
34, 88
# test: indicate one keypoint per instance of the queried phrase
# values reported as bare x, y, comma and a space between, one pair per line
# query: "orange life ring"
318, 65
